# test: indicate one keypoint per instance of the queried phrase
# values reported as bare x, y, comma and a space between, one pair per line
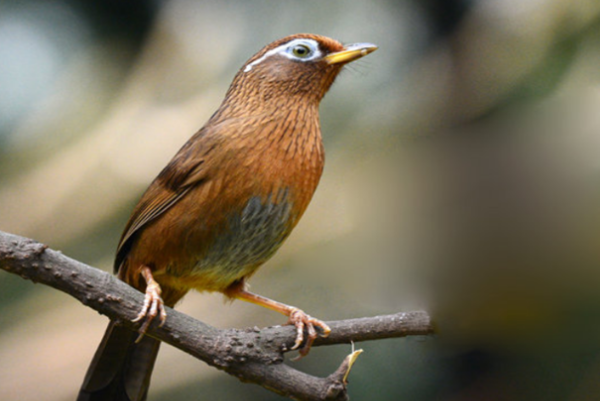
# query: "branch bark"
253, 355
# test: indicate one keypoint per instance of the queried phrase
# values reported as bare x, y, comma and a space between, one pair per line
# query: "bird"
225, 204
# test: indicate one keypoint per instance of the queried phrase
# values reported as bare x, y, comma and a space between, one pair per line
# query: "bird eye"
301, 51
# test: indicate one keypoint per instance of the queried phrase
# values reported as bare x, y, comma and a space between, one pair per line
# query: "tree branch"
252, 355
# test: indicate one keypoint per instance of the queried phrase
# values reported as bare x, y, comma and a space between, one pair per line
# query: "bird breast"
248, 206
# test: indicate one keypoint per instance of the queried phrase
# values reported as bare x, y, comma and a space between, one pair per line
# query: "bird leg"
296, 317
153, 303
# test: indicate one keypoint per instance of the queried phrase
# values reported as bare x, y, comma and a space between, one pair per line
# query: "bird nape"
225, 203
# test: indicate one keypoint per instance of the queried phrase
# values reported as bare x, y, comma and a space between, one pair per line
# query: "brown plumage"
225, 203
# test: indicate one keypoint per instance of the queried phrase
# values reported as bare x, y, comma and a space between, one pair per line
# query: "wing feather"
186, 170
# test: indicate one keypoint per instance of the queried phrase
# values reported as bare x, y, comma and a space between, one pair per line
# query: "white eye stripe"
283, 50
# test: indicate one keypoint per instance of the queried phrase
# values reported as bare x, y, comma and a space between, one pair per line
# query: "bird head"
297, 68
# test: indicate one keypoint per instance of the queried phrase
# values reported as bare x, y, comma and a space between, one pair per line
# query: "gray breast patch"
252, 236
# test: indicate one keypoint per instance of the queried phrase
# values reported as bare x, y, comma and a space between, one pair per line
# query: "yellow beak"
350, 53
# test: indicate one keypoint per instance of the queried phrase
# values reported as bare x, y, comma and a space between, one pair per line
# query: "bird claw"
153, 307
301, 321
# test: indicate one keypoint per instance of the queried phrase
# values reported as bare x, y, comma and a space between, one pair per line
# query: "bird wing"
188, 169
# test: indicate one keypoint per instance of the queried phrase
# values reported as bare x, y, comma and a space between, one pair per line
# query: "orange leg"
295, 316
153, 303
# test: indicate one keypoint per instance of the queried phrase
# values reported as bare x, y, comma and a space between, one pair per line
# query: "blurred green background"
462, 178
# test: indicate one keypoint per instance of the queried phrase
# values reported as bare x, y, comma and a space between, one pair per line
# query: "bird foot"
301, 320
153, 304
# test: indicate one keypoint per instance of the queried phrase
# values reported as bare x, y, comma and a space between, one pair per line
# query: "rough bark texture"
253, 355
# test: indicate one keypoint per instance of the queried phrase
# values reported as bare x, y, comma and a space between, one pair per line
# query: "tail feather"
121, 368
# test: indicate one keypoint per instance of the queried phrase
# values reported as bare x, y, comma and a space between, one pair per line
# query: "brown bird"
225, 203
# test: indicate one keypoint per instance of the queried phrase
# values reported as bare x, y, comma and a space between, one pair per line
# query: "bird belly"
247, 240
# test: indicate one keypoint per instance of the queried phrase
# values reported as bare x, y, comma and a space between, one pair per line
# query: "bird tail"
121, 368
